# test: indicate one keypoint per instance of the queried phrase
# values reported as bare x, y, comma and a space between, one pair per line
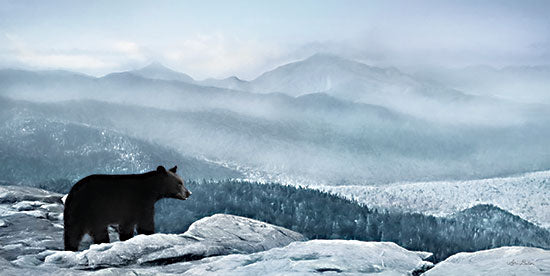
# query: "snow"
499, 261
316, 256
527, 196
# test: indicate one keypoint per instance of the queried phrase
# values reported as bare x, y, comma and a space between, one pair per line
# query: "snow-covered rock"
252, 235
211, 236
27, 205
31, 232
318, 256
18, 194
30, 223
514, 260
299, 258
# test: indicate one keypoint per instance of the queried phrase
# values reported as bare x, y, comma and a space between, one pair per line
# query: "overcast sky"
245, 38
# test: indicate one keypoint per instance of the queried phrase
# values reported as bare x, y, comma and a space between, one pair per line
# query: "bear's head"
170, 184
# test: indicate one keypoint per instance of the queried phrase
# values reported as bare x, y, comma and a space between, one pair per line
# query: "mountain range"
322, 120
347, 80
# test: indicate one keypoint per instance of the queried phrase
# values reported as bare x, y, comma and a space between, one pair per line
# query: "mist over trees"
323, 120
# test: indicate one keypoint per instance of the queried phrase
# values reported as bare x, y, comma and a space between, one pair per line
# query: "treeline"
319, 215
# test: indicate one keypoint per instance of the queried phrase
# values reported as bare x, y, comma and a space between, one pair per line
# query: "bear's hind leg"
126, 231
72, 237
100, 235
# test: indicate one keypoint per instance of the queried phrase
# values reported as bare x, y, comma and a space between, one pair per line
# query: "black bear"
97, 201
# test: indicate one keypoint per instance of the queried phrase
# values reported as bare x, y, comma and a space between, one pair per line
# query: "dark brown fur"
97, 201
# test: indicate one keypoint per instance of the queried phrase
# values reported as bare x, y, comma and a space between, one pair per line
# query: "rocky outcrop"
318, 256
510, 260
31, 222
13, 194
211, 236
31, 227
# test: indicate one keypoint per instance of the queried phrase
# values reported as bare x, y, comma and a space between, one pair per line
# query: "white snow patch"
27, 205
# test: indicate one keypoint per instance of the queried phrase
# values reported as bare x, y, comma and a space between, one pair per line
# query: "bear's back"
105, 185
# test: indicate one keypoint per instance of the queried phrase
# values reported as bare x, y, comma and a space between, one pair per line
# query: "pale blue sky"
245, 38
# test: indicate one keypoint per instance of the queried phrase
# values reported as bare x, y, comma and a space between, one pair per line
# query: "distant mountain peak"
323, 72
157, 70
156, 65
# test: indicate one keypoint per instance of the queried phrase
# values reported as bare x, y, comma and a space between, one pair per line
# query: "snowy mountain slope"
278, 137
324, 72
486, 217
157, 86
38, 150
388, 87
315, 137
527, 196
130, 88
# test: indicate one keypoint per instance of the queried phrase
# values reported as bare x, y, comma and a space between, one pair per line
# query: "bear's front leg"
125, 231
146, 224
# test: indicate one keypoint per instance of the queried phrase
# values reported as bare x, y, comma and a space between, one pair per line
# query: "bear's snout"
184, 194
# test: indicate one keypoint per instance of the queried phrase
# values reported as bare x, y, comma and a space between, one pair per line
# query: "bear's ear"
174, 169
161, 169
